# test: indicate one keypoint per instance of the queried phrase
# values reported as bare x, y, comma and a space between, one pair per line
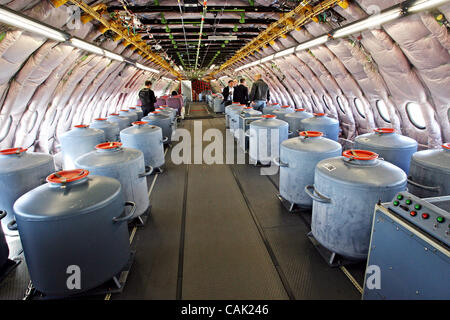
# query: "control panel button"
413, 213
417, 206
440, 219
396, 203
425, 215
408, 201
400, 197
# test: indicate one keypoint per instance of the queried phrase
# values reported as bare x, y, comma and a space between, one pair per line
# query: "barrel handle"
233, 120
290, 133
318, 197
148, 172
12, 225
3, 214
247, 133
278, 162
422, 186
129, 215
165, 140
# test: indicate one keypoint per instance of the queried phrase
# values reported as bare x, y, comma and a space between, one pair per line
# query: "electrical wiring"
184, 32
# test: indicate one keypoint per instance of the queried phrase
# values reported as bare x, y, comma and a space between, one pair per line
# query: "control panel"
423, 214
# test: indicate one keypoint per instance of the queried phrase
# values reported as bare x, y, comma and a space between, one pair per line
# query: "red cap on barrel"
360, 154
12, 151
108, 145
67, 176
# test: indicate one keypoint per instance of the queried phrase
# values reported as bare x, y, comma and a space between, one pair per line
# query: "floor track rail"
269, 249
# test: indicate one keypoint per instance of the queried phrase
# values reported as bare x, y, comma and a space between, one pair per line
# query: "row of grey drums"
343, 187
76, 222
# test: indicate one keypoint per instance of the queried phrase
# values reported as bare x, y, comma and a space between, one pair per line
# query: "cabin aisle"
220, 232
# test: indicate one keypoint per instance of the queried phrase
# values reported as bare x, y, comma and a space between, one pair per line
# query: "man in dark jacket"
259, 94
241, 93
228, 93
148, 99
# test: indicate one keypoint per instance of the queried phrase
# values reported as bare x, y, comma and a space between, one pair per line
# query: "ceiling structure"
173, 27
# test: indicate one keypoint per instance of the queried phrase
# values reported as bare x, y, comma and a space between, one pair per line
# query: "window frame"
388, 120
340, 105
411, 119
357, 108
325, 102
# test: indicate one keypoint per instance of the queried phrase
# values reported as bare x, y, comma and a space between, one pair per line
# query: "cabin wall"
407, 61
46, 87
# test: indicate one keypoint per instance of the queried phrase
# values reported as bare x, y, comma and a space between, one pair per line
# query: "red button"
413, 213
425, 215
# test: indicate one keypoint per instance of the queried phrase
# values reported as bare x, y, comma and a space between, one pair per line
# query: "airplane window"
339, 102
383, 111
415, 115
359, 107
325, 102
32, 122
4, 131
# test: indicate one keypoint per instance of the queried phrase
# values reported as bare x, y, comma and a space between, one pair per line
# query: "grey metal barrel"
298, 159
320, 122
121, 121
132, 116
247, 112
138, 111
124, 164
20, 171
392, 147
78, 141
161, 120
429, 173
266, 136
74, 232
294, 120
235, 107
271, 107
111, 129
344, 195
282, 112
148, 139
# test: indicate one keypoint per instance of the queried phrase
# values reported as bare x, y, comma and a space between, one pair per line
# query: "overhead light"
113, 56
181, 68
425, 5
9, 17
312, 43
268, 58
167, 79
212, 67
140, 66
372, 21
284, 52
80, 44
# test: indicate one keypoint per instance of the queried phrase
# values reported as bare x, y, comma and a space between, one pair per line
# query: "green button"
440, 219
408, 201
417, 206
400, 197
396, 203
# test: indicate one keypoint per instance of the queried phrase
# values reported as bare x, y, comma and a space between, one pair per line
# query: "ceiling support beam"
122, 33
296, 18
199, 9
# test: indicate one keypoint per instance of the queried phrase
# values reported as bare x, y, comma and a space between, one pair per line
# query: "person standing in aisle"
259, 94
148, 98
228, 93
241, 93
